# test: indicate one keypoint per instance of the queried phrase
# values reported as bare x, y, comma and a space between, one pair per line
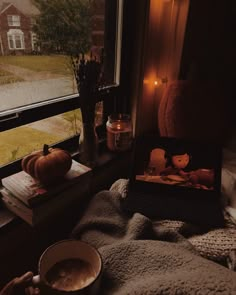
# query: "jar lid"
119, 117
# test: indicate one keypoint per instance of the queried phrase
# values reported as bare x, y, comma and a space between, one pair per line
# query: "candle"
119, 132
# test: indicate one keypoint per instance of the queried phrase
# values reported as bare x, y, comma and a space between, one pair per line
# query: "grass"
22, 141
55, 64
7, 78
74, 117
4, 73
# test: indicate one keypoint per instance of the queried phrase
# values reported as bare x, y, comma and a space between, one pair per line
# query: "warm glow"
155, 81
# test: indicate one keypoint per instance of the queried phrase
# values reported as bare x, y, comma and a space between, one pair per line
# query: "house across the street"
16, 20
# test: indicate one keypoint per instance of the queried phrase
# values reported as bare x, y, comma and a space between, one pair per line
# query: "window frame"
13, 36
13, 23
110, 95
33, 41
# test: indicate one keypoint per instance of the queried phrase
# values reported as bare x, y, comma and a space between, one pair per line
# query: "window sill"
110, 166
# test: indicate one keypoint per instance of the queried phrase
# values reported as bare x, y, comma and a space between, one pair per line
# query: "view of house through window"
37, 43
40, 43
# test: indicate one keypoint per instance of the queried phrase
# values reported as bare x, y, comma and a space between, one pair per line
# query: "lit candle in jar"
119, 132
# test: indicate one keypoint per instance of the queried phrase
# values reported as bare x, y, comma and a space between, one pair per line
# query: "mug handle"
36, 280
20, 289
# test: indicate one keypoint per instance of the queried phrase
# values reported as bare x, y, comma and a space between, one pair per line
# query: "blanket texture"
217, 244
141, 256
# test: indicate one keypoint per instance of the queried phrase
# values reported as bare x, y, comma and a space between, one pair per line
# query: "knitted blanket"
141, 256
218, 244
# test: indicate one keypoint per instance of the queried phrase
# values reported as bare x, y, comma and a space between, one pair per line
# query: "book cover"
31, 192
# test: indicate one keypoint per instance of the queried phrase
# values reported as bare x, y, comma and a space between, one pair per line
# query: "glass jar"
119, 132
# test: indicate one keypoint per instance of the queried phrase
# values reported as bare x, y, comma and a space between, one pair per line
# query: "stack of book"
34, 203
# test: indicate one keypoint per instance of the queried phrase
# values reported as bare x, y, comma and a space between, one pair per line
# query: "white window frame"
12, 36
34, 41
13, 20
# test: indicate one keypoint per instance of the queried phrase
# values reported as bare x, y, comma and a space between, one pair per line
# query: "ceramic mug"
64, 250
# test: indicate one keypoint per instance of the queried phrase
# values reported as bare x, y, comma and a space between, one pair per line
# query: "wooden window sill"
110, 166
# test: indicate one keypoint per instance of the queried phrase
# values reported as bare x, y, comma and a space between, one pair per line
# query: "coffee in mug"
70, 274
69, 267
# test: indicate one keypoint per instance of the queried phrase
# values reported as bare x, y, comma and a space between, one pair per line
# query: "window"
34, 42
13, 20
15, 39
38, 88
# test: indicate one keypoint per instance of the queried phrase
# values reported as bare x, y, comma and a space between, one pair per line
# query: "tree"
64, 26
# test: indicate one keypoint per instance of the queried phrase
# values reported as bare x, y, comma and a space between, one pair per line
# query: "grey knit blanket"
141, 256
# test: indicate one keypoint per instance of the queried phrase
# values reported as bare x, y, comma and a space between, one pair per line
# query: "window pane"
16, 20
11, 43
13, 20
9, 20
43, 70
20, 141
34, 42
18, 42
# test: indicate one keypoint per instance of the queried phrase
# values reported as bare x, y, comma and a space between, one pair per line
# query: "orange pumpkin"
48, 165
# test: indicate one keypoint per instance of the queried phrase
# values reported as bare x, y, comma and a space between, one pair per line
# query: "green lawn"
19, 142
55, 64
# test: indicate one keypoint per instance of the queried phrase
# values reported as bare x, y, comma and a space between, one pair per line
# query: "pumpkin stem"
45, 149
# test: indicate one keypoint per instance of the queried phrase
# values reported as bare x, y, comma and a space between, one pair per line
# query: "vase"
88, 144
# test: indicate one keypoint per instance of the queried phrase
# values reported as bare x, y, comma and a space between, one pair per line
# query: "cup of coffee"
69, 267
